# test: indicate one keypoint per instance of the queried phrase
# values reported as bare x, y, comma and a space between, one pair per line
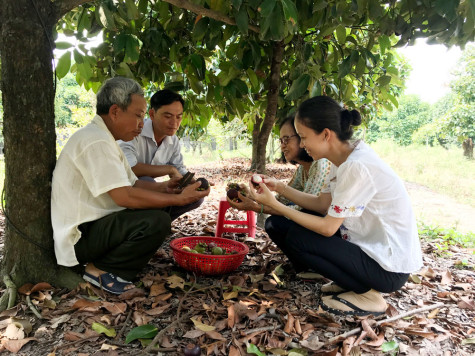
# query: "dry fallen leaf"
13, 332
16, 345
204, 327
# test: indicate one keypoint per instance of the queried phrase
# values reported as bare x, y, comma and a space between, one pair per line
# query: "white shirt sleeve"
130, 151
176, 159
353, 190
102, 168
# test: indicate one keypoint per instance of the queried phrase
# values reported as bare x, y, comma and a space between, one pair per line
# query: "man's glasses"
285, 139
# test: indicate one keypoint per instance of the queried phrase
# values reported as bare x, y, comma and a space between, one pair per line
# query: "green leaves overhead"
129, 45
242, 21
63, 65
298, 88
290, 11
339, 48
341, 34
200, 29
105, 17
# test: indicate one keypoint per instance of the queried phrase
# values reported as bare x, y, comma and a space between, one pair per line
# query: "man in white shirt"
156, 152
103, 217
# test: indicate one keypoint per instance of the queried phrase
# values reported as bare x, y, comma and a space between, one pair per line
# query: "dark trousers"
123, 242
339, 260
176, 211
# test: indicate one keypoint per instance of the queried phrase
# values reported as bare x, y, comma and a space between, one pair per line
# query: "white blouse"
377, 211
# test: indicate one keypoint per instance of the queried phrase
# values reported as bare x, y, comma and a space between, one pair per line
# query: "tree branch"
199, 10
64, 6
340, 337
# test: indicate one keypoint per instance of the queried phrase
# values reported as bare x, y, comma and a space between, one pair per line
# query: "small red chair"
250, 223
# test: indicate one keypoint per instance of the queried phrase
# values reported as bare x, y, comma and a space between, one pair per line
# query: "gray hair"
118, 91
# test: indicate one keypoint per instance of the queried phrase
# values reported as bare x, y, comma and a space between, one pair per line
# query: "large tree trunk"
29, 133
261, 136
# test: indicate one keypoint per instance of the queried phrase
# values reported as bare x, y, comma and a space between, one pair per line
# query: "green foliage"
447, 236
400, 125
253, 349
141, 332
72, 103
340, 48
102, 329
337, 48
452, 116
390, 346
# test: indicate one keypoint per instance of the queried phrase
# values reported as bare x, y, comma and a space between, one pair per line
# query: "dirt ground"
252, 305
440, 210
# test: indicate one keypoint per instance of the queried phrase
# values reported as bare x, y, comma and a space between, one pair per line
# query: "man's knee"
157, 221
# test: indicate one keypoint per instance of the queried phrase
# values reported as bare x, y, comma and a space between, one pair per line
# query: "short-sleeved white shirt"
377, 211
90, 164
144, 149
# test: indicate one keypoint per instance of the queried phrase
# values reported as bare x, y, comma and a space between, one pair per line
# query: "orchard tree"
340, 48
458, 120
452, 116
399, 125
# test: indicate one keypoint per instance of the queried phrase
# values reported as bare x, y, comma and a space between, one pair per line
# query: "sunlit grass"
191, 157
444, 171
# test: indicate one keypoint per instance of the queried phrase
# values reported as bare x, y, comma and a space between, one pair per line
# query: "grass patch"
444, 171
443, 239
447, 236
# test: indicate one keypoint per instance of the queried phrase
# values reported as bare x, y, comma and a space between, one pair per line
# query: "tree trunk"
467, 146
29, 133
261, 136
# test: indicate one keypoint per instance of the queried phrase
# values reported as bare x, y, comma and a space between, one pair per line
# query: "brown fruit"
192, 350
204, 184
233, 195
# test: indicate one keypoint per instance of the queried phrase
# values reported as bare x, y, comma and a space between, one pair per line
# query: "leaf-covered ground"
262, 308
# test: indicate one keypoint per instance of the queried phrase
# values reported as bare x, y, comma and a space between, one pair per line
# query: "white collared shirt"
90, 164
377, 211
144, 149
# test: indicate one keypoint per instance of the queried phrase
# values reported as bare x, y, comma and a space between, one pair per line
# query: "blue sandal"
109, 282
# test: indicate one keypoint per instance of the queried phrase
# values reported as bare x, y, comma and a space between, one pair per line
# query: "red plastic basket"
208, 264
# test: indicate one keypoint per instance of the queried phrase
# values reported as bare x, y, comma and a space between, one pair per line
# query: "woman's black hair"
302, 155
322, 112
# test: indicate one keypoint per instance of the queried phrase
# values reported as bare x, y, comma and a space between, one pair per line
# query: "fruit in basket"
204, 184
233, 255
201, 247
192, 350
188, 249
217, 250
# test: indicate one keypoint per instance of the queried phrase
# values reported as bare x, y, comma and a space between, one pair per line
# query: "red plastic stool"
250, 223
